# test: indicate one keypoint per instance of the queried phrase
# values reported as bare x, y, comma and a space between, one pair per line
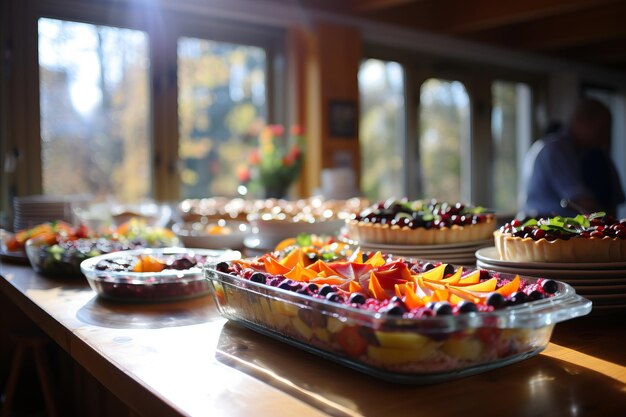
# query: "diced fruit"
321, 334
468, 349
302, 328
394, 356
334, 325
375, 289
401, 340
352, 343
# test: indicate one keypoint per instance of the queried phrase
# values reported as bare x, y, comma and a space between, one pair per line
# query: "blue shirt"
553, 171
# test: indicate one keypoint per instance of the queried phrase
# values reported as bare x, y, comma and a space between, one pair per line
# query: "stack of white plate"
604, 283
36, 209
457, 253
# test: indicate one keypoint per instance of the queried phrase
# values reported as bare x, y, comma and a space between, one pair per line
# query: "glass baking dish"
403, 350
145, 287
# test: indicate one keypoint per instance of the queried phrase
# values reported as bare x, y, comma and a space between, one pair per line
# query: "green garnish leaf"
597, 215
303, 239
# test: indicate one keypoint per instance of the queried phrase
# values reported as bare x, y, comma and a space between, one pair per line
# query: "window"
444, 134
511, 135
95, 116
381, 134
222, 105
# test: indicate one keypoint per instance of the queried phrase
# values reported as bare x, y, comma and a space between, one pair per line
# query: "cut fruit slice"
394, 356
402, 340
510, 287
434, 274
352, 343
468, 349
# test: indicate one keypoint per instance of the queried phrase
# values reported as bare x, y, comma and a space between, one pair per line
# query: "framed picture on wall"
342, 118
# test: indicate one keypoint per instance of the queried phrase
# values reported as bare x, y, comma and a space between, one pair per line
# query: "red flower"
255, 158
297, 130
243, 174
277, 130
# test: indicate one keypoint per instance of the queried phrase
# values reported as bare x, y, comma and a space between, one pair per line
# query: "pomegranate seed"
597, 234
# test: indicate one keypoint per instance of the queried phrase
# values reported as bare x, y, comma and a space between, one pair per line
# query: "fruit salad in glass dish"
152, 275
403, 320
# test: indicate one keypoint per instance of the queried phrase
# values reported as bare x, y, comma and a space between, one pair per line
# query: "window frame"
477, 185
23, 127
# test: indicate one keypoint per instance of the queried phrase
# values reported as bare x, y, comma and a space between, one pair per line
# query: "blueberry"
312, 287
394, 310
431, 305
448, 270
443, 308
518, 297
222, 267
285, 286
496, 300
427, 267
395, 300
325, 289
467, 307
357, 298
535, 295
334, 297
549, 286
258, 277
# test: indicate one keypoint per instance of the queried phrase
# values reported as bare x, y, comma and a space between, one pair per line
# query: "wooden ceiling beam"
571, 29
368, 6
465, 17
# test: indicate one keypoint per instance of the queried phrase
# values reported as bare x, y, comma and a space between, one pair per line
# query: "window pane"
221, 107
444, 132
511, 132
94, 94
381, 134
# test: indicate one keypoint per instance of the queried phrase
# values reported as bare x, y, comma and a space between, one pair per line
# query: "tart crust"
517, 249
396, 235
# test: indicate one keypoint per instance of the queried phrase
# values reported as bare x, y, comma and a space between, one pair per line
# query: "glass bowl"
398, 349
166, 285
64, 259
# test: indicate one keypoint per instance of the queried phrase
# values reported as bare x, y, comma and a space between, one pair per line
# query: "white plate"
490, 255
557, 273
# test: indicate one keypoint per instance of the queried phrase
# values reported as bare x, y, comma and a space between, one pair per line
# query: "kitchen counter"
183, 358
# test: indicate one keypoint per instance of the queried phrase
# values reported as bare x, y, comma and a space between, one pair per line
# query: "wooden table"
184, 359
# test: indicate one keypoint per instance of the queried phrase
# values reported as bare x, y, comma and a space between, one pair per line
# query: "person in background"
570, 171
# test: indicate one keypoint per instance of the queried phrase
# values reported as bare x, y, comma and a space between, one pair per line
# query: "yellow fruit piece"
285, 309
302, 328
376, 260
394, 356
468, 349
294, 258
471, 278
321, 334
375, 289
334, 325
402, 340
434, 274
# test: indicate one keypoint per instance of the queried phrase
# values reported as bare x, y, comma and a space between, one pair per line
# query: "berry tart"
595, 237
420, 222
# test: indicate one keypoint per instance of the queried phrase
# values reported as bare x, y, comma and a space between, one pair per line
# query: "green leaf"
530, 222
597, 215
303, 239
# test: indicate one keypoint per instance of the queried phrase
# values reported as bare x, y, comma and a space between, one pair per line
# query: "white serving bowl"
196, 235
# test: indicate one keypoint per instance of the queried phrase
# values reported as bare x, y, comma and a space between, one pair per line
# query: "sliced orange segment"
510, 287
285, 243
471, 278
434, 274
375, 289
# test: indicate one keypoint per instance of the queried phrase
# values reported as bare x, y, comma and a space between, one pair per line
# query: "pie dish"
395, 337
585, 238
420, 222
